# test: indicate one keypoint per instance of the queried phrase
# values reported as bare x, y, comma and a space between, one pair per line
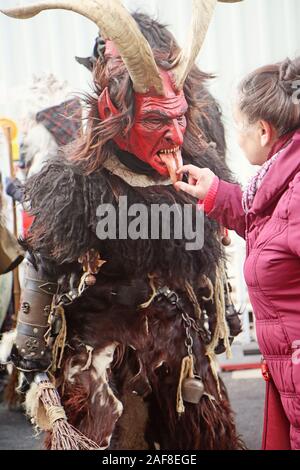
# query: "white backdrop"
241, 37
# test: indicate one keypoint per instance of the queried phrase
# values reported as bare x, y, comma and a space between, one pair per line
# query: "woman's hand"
199, 181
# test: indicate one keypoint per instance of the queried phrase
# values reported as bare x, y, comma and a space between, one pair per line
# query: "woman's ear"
267, 133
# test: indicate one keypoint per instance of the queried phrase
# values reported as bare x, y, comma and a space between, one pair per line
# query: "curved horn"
116, 24
202, 13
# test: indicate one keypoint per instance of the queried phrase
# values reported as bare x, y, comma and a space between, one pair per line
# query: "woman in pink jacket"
267, 215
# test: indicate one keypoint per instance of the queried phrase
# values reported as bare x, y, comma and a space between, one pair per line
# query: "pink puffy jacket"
272, 273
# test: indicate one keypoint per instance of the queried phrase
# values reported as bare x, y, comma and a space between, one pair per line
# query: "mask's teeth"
173, 164
168, 151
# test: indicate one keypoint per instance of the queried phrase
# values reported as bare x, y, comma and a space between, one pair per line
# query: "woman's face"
256, 140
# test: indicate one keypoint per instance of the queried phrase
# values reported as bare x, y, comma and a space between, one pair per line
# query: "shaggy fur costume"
121, 364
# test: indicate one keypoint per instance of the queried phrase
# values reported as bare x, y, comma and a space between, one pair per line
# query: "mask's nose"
174, 135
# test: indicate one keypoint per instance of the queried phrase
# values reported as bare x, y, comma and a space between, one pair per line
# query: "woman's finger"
192, 190
192, 181
193, 171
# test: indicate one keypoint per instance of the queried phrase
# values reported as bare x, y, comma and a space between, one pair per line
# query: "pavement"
16, 433
246, 392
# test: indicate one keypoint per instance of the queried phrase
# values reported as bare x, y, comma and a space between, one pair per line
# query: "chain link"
190, 323
189, 341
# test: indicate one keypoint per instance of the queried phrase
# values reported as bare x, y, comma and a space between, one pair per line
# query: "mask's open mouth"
171, 160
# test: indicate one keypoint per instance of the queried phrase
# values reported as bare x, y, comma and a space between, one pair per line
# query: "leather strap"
37, 331
38, 285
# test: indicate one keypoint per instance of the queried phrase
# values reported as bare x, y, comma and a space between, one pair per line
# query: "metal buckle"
169, 294
67, 298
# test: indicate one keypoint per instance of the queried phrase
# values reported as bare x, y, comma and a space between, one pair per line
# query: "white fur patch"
71, 372
6, 344
101, 363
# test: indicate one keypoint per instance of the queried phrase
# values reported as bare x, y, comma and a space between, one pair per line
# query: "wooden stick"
16, 287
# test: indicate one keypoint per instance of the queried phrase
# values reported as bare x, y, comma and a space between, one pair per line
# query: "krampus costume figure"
127, 329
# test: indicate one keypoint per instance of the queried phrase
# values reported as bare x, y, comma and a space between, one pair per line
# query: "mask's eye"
182, 120
153, 122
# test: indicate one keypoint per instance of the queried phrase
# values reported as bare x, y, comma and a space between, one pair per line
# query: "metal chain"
190, 323
189, 340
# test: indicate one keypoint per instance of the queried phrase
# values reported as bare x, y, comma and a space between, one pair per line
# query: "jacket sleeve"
294, 218
227, 208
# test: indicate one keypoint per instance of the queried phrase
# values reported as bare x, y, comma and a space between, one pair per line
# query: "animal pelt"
15, 377
6, 345
148, 349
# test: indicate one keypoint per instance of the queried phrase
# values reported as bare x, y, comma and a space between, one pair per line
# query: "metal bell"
192, 390
226, 241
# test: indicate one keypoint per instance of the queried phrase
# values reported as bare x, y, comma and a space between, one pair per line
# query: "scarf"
256, 181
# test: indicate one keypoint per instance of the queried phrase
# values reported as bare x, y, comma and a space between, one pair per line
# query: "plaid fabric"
62, 121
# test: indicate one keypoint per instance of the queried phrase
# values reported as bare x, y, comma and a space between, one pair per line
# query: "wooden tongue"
173, 162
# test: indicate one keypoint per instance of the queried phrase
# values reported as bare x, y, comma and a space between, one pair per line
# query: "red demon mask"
156, 136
